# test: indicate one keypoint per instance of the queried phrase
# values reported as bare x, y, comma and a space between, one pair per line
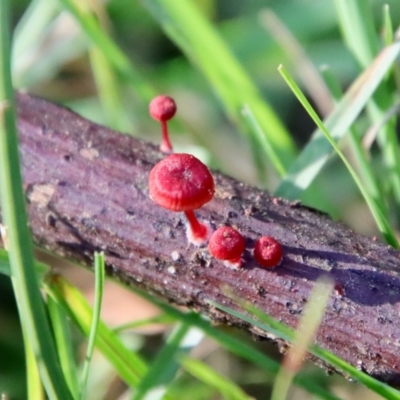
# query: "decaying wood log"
86, 188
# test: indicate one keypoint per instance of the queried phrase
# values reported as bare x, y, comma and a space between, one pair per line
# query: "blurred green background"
54, 63
53, 58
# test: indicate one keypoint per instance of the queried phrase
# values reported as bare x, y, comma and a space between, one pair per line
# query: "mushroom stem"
197, 232
165, 146
236, 261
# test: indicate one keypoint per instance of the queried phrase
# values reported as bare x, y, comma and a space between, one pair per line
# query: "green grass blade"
356, 20
304, 337
40, 268
230, 342
107, 84
199, 40
64, 345
158, 319
25, 283
99, 273
226, 340
114, 55
357, 25
34, 383
235, 345
164, 368
32, 26
278, 329
39, 51
5, 268
28, 36
109, 92
65, 294
388, 35
262, 140
128, 364
359, 152
316, 153
228, 389
376, 211
305, 69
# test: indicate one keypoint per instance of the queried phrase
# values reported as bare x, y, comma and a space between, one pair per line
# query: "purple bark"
86, 188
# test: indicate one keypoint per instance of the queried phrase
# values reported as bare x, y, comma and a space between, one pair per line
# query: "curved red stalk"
197, 232
165, 145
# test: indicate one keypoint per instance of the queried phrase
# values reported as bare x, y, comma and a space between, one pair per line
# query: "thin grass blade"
304, 337
28, 33
305, 69
128, 364
228, 389
269, 324
357, 23
184, 23
235, 345
380, 218
357, 26
44, 40
114, 55
5, 268
107, 82
99, 274
34, 383
316, 153
24, 279
388, 35
40, 268
158, 319
64, 345
32, 25
164, 368
364, 163
262, 140
108, 89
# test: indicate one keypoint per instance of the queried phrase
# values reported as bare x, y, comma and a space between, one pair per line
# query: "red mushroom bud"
227, 244
162, 108
268, 252
181, 182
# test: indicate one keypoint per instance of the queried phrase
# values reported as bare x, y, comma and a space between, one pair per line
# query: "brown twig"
86, 188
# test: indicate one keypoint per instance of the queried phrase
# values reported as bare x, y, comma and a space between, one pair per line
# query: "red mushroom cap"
181, 182
162, 108
226, 243
268, 252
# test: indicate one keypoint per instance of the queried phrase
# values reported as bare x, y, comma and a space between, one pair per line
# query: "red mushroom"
268, 252
227, 244
181, 182
162, 108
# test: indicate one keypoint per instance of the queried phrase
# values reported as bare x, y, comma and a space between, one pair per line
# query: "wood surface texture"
86, 190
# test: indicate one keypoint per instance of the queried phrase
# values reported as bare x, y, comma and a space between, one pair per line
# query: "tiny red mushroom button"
268, 252
181, 182
227, 244
162, 108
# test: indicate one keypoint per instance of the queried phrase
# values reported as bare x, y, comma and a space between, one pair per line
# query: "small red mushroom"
181, 182
227, 244
162, 108
268, 252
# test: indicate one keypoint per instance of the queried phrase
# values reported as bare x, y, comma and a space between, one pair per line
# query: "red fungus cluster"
181, 182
